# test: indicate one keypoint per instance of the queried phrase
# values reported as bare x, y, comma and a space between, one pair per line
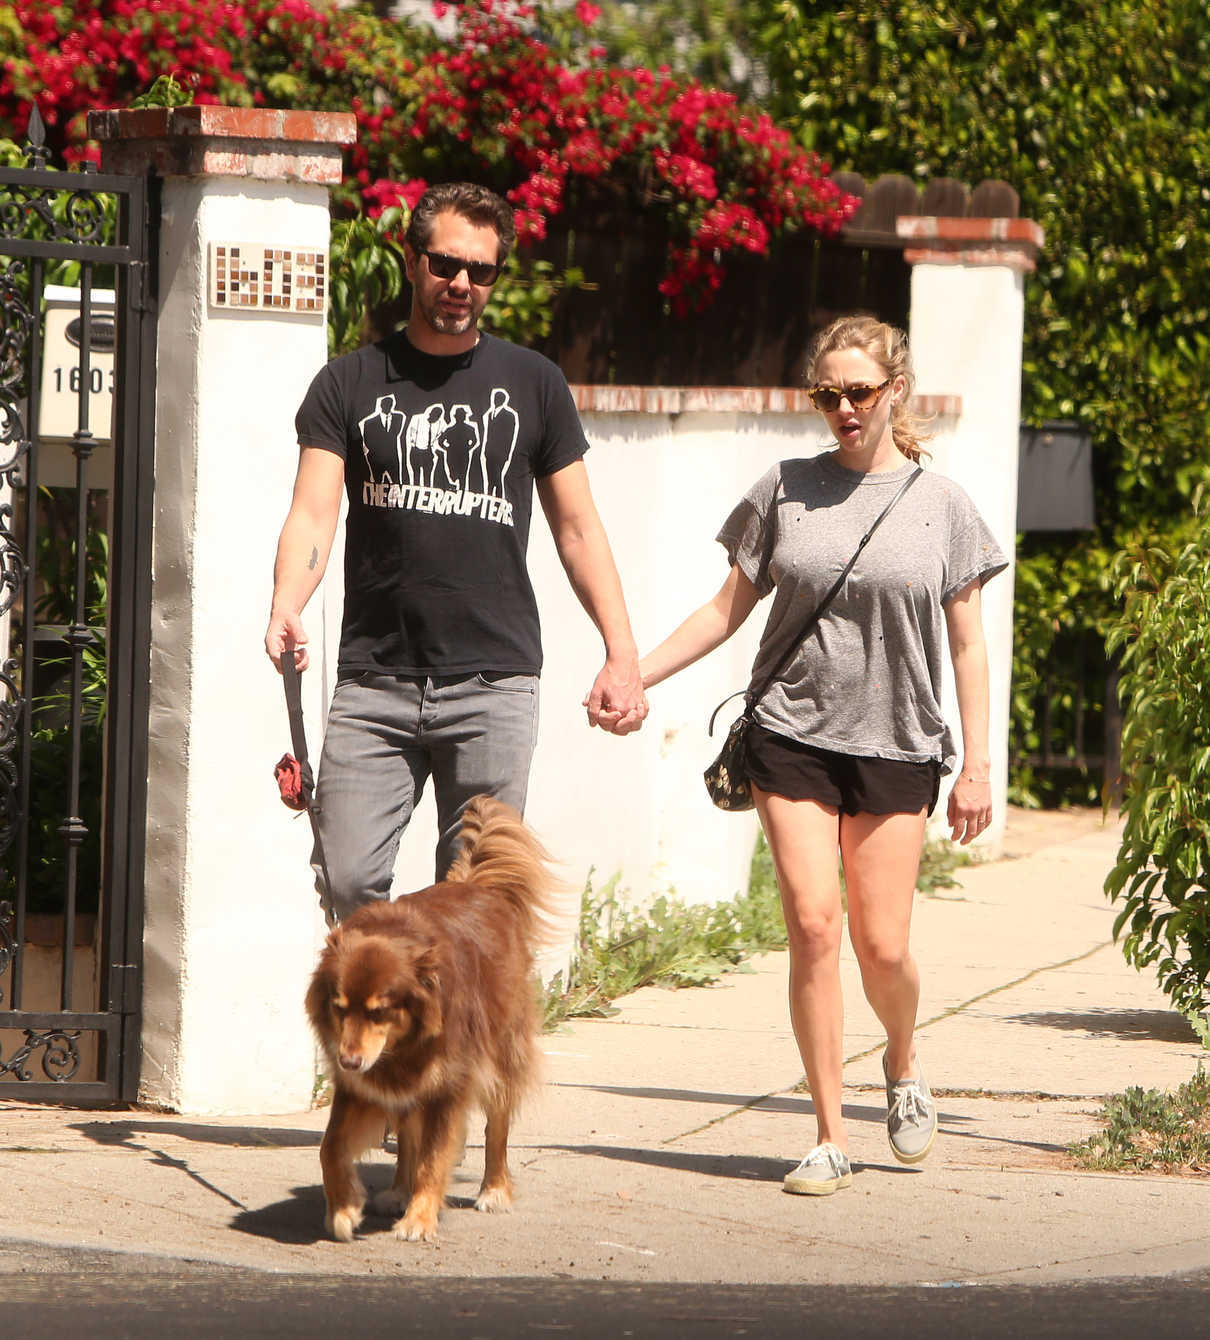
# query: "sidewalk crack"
985, 995
873, 1051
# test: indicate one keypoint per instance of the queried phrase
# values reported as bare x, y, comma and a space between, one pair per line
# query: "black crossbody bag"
727, 777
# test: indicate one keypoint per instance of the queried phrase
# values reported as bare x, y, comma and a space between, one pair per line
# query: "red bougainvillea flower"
491, 102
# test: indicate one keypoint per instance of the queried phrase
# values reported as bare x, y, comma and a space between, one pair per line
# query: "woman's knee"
883, 959
813, 932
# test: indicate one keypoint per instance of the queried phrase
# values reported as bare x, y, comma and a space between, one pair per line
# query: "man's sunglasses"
828, 398
482, 273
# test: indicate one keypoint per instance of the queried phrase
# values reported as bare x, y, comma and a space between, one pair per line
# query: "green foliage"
34, 228
938, 861
51, 740
1162, 874
1062, 609
708, 40
620, 949
1097, 114
1169, 1132
165, 92
522, 303
367, 272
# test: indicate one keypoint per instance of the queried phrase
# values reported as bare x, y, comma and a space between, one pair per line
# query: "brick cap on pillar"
224, 142
968, 241
724, 400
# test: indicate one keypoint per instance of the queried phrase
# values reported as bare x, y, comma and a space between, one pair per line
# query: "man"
440, 649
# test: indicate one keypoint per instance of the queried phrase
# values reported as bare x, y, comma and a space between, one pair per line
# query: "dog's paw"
342, 1224
414, 1227
494, 1200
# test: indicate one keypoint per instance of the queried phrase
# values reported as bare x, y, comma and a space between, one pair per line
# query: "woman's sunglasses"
828, 398
481, 273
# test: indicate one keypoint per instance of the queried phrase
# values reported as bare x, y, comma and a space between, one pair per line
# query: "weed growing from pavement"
939, 860
673, 944
1147, 1130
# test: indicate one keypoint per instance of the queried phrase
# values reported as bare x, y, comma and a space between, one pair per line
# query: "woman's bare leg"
803, 836
881, 855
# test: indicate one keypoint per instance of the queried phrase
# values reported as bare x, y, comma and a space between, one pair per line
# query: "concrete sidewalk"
656, 1149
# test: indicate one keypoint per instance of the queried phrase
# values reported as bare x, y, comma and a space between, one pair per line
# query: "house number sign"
248, 277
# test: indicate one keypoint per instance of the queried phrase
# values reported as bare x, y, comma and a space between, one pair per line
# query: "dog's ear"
336, 938
426, 965
319, 996
428, 999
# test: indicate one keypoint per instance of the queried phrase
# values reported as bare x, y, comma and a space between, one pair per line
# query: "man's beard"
445, 324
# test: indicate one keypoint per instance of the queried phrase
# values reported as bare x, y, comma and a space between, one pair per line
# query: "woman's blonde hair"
888, 346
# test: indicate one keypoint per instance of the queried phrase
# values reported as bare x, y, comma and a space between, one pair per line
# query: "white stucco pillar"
231, 924
967, 322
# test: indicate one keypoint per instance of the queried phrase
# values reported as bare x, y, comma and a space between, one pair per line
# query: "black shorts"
847, 782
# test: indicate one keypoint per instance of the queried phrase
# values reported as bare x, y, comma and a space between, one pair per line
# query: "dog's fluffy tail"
499, 850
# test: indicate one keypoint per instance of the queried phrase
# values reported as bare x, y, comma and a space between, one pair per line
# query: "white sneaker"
824, 1170
911, 1122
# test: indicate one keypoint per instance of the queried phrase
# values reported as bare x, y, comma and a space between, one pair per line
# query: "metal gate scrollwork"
75, 515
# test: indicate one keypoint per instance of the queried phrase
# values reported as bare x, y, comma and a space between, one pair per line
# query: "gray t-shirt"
867, 681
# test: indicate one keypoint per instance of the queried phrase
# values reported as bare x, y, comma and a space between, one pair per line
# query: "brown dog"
425, 1007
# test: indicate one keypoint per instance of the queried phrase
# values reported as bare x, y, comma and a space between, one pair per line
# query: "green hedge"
1162, 875
1097, 113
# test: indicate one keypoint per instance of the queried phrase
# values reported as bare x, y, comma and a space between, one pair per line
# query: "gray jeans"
386, 735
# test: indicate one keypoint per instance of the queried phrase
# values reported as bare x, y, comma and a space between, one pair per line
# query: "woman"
849, 744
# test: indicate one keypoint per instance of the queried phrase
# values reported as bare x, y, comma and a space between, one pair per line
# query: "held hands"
616, 702
970, 807
286, 632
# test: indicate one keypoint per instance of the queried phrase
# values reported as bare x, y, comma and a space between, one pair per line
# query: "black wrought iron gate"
77, 360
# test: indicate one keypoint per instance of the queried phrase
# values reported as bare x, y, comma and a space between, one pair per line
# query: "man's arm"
303, 549
616, 701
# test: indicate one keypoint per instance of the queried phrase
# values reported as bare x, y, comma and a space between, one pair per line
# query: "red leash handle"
292, 773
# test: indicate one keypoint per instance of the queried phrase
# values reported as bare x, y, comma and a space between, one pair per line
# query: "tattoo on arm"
314, 559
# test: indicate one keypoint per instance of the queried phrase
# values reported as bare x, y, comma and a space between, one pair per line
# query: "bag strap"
298, 740
752, 697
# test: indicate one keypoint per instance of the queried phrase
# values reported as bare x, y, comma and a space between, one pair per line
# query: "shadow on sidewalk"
1154, 1025
784, 1104
765, 1102
297, 1222
235, 1137
745, 1167
735, 1167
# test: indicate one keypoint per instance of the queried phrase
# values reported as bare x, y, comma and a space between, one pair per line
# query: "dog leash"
305, 781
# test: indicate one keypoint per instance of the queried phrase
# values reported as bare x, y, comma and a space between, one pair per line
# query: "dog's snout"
351, 1061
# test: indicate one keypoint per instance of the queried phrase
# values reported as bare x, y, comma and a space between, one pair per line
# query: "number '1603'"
96, 380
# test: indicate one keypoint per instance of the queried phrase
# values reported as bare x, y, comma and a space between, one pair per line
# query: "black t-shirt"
441, 454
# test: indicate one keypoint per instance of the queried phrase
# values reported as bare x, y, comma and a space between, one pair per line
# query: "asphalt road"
49, 1293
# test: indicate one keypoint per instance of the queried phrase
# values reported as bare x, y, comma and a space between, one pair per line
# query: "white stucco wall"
229, 939
966, 330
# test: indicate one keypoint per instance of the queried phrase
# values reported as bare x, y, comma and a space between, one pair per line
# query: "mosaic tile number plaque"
247, 277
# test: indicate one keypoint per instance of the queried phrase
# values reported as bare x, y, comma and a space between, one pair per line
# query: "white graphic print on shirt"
441, 460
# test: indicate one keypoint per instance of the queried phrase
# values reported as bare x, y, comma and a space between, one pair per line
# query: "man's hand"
616, 702
286, 633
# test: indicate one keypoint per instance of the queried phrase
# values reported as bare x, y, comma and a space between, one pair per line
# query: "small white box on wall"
62, 377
